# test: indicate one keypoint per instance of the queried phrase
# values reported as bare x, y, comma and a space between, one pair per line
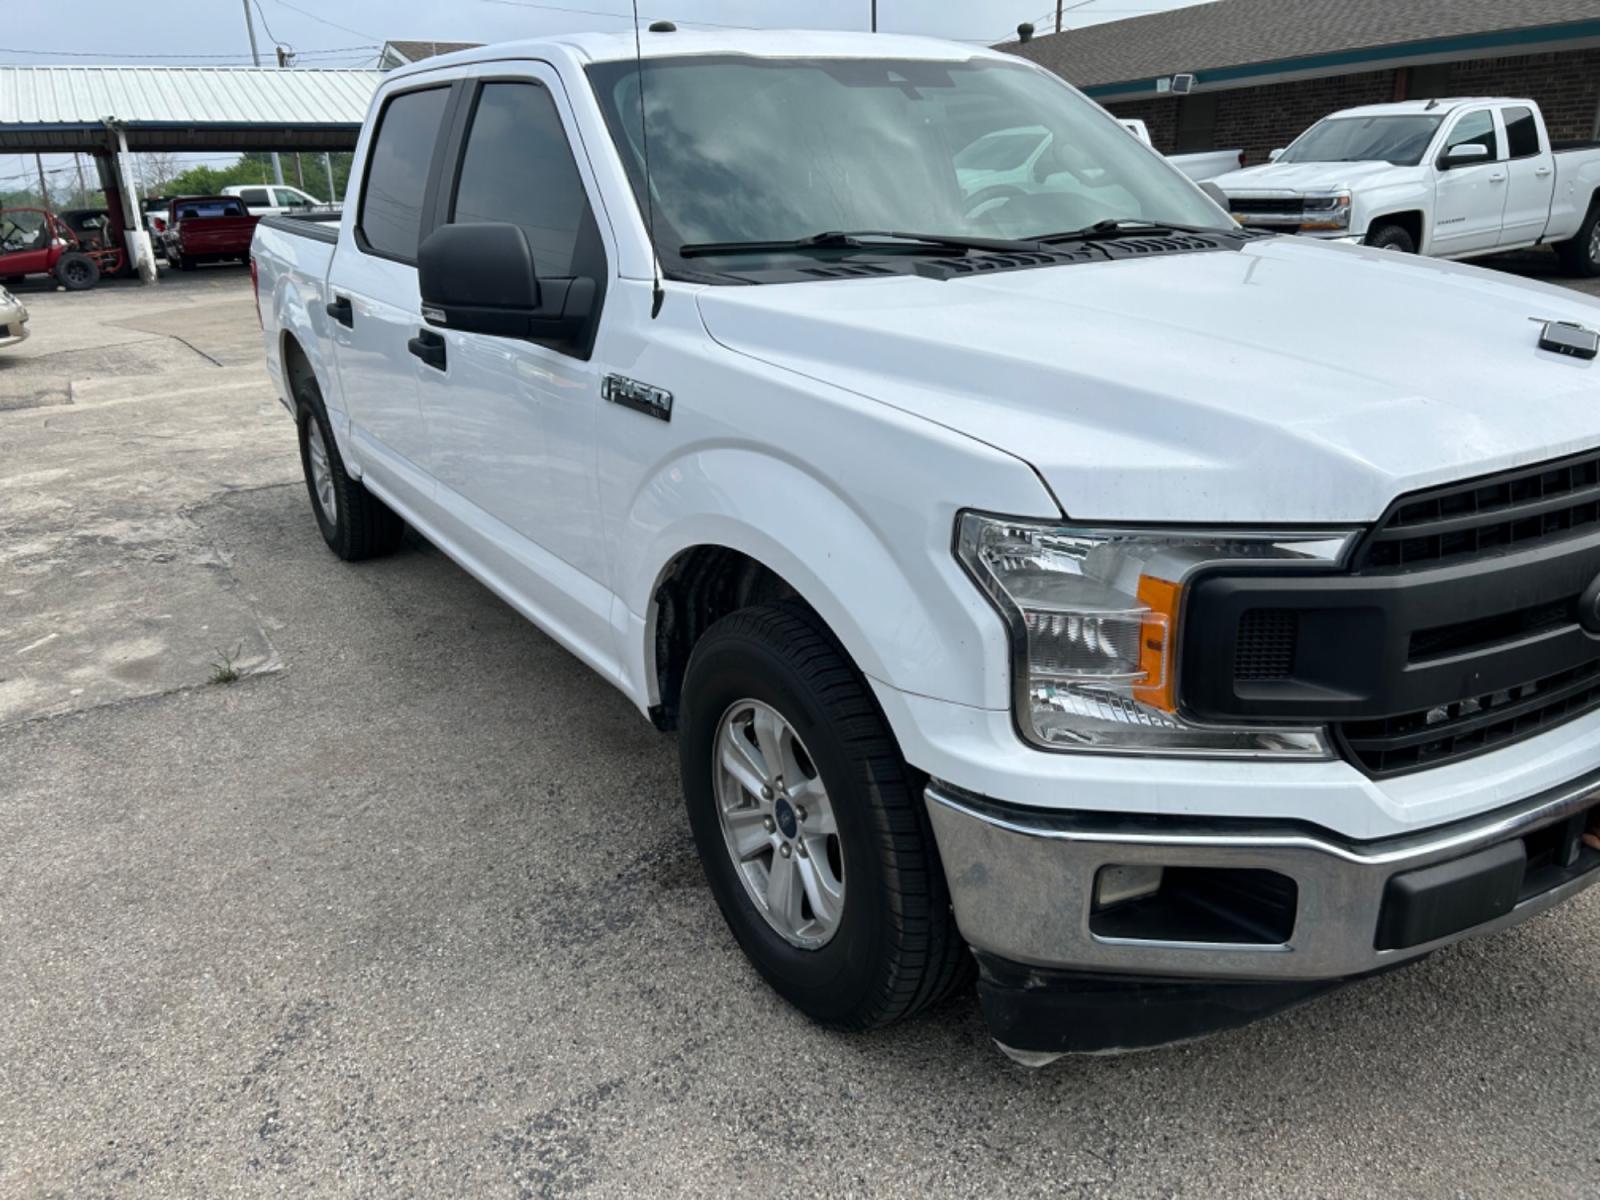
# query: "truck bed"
321, 226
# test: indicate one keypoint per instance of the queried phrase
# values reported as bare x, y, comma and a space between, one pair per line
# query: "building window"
1197, 123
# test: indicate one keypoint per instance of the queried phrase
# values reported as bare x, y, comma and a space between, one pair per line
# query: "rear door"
1531, 176
513, 422
1470, 200
374, 307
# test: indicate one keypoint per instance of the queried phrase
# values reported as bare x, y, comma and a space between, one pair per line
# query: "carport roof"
1236, 43
176, 108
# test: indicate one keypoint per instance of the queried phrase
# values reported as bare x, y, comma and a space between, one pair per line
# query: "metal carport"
113, 111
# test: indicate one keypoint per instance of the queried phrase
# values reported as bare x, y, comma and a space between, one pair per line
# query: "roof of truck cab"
1440, 107
760, 43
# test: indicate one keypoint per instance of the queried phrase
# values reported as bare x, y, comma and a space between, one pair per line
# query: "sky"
349, 33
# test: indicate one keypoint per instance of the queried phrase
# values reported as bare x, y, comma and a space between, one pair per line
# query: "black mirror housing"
480, 278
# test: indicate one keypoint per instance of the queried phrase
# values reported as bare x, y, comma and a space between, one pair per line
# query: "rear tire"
186, 262
1392, 237
354, 522
76, 272
1580, 255
890, 948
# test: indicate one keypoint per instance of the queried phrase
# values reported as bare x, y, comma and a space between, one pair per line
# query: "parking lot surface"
411, 907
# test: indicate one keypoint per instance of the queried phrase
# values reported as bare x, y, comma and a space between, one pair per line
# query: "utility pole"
1058, 16
44, 188
327, 165
255, 54
874, 16
83, 188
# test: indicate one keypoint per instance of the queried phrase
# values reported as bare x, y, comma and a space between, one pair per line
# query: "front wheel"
1581, 255
1392, 237
810, 825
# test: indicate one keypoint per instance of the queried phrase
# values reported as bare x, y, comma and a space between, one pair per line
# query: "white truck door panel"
373, 280
1531, 177
512, 423
1470, 201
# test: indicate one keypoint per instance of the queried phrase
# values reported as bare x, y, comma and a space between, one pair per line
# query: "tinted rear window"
397, 172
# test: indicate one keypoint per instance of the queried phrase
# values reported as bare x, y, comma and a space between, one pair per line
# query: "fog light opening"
1209, 905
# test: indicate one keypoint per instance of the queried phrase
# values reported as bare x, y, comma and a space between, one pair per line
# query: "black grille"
1512, 510
1265, 649
1482, 632
1450, 732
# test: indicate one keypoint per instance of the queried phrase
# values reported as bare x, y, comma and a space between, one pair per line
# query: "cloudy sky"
348, 33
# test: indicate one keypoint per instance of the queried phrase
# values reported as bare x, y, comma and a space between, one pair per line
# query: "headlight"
1326, 212
1095, 617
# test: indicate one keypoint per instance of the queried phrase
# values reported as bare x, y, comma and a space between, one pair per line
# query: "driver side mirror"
1464, 155
480, 278
1275, 155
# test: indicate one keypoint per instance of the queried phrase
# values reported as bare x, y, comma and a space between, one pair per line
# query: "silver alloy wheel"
322, 474
1594, 244
778, 824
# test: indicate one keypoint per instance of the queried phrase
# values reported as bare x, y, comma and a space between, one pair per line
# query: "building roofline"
1566, 36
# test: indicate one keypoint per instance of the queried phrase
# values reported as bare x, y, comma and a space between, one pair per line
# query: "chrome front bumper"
13, 325
1022, 883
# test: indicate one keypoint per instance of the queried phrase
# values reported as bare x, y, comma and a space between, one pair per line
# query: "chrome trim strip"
1022, 883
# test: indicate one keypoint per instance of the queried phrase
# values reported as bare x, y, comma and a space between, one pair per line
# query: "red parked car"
207, 229
35, 241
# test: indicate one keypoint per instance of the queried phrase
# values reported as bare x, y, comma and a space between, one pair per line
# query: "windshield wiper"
1121, 227
838, 239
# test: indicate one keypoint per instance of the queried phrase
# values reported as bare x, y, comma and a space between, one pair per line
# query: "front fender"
875, 562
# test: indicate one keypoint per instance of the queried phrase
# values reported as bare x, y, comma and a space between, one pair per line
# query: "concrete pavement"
411, 909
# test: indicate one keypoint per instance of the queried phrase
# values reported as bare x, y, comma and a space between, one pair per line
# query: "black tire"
361, 526
896, 949
1580, 256
186, 262
76, 272
12, 280
1392, 237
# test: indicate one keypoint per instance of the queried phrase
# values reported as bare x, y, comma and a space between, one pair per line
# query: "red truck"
207, 229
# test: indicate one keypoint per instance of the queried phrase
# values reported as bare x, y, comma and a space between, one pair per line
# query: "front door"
513, 422
1470, 200
375, 305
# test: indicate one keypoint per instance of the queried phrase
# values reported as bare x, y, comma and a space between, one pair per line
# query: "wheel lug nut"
766, 793
799, 813
770, 824
784, 850
801, 846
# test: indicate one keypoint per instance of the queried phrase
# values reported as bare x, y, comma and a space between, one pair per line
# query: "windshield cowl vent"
986, 264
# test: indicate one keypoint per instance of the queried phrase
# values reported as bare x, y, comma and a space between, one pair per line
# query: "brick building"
1266, 70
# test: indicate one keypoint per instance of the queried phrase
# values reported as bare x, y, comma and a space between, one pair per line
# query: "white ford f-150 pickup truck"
1445, 178
1033, 589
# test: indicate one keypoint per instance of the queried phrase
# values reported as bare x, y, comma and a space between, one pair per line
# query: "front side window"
1474, 129
397, 173
256, 196
1401, 140
518, 168
1522, 133
746, 149
289, 198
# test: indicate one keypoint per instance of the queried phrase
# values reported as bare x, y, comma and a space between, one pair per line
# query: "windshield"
749, 149
1399, 140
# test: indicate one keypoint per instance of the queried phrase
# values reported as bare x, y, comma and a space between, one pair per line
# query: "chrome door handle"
1542, 172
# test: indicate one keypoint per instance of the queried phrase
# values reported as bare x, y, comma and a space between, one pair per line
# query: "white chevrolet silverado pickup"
1445, 178
1034, 590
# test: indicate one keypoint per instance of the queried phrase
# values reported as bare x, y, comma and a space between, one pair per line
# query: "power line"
231, 55
322, 20
275, 38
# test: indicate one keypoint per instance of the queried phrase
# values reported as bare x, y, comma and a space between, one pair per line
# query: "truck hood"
1299, 179
1291, 381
